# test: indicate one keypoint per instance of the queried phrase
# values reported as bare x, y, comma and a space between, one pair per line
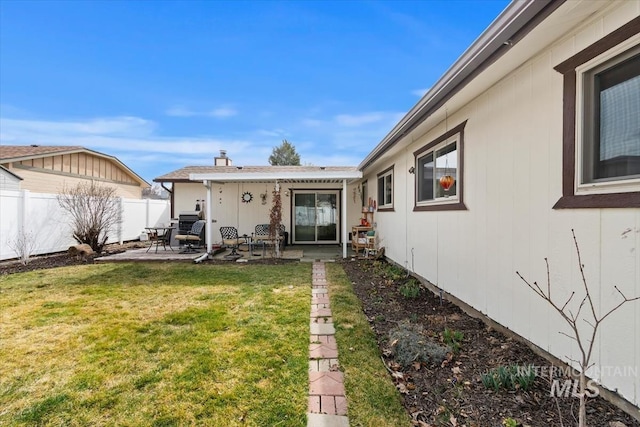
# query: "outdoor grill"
186, 220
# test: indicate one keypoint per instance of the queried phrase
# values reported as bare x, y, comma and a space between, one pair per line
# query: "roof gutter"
270, 176
518, 19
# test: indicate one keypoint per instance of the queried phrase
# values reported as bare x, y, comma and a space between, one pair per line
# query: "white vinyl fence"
39, 219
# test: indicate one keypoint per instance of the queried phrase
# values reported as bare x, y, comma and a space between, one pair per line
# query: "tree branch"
572, 320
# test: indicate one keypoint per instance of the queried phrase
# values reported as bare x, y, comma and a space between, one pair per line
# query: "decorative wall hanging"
446, 182
247, 197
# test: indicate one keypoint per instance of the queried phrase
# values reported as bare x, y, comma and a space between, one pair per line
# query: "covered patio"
312, 185
303, 253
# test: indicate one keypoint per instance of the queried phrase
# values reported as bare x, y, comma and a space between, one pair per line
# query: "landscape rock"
83, 251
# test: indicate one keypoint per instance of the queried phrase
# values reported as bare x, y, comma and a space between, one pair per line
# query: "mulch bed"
451, 393
62, 259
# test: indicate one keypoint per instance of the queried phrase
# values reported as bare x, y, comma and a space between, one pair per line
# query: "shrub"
410, 289
94, 210
511, 377
453, 339
409, 344
388, 271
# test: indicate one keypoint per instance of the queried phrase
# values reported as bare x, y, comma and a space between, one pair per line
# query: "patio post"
343, 221
208, 217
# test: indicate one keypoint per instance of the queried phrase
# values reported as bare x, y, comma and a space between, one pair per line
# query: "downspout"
343, 220
275, 235
170, 197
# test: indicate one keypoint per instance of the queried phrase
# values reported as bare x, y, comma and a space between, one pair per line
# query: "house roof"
262, 174
2, 168
511, 26
16, 153
24, 152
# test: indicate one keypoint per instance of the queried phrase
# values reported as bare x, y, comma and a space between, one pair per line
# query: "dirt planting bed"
450, 391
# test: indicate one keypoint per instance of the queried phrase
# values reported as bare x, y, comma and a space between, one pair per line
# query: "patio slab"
175, 255
324, 420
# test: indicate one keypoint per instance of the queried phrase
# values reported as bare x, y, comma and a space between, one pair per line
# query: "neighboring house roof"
16, 153
23, 152
509, 28
2, 168
261, 173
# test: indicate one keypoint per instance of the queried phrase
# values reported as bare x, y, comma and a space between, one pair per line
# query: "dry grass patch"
155, 344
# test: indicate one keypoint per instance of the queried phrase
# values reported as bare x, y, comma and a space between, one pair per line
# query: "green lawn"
156, 345
178, 344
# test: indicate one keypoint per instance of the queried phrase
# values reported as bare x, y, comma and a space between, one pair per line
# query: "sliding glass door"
316, 217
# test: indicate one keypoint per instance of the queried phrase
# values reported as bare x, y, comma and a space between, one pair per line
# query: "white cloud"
17, 128
359, 119
341, 159
420, 92
343, 139
312, 123
223, 112
277, 133
110, 135
220, 113
179, 111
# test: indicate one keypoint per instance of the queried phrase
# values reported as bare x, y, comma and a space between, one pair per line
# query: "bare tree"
94, 210
590, 317
23, 245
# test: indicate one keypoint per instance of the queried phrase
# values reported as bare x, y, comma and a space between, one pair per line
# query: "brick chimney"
222, 160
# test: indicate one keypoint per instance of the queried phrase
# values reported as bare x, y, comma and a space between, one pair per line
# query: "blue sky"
166, 84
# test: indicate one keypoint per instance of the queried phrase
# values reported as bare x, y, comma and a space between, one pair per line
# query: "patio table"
159, 236
252, 243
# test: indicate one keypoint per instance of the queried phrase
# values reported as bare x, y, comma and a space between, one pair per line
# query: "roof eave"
518, 18
161, 179
276, 176
46, 154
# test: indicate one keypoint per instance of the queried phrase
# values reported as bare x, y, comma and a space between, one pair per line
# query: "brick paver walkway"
327, 401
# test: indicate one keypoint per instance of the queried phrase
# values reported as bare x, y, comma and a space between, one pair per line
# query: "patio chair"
231, 239
195, 235
262, 234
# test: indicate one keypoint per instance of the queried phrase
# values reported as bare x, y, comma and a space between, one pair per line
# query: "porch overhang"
327, 176
317, 175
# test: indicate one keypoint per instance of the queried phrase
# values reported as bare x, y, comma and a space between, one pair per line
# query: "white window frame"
436, 182
584, 75
452, 202
382, 176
